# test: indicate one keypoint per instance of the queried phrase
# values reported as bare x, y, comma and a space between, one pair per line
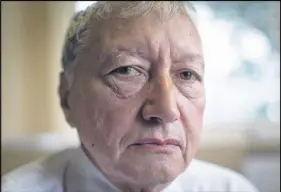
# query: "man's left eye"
188, 75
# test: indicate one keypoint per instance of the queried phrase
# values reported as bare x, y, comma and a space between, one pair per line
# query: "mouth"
156, 143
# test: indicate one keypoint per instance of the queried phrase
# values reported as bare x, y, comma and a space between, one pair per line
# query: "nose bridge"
162, 99
163, 87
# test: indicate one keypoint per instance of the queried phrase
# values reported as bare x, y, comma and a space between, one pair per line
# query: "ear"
64, 90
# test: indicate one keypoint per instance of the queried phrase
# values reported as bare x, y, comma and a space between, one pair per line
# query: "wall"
32, 37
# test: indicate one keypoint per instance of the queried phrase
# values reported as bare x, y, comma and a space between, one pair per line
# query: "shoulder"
42, 175
30, 177
205, 176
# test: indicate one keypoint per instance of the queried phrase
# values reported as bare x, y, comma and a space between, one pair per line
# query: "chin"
153, 170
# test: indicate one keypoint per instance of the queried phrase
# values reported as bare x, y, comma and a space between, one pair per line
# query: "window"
242, 61
81, 5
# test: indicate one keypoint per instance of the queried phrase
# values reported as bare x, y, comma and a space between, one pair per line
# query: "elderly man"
133, 86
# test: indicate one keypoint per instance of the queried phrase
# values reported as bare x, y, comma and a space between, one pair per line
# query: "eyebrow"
105, 57
188, 57
191, 57
130, 51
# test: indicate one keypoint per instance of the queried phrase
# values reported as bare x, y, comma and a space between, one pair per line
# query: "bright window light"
81, 5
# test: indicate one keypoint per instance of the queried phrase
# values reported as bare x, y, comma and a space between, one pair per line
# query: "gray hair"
101, 10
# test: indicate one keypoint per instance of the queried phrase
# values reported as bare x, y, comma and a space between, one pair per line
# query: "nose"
161, 103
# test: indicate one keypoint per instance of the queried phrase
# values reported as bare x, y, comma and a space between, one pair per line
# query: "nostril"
155, 119
160, 112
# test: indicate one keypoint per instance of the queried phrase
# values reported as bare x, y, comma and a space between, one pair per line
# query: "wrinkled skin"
160, 95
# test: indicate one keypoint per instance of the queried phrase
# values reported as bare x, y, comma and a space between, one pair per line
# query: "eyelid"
134, 68
132, 59
138, 68
194, 72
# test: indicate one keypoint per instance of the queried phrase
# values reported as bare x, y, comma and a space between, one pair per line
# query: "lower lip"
155, 147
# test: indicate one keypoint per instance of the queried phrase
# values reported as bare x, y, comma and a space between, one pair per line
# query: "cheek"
90, 118
192, 112
102, 118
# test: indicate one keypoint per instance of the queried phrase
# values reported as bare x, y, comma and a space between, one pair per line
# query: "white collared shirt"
72, 171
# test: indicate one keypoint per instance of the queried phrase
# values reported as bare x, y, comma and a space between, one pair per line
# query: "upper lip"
157, 141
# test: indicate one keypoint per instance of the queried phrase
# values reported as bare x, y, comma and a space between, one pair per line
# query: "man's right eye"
126, 71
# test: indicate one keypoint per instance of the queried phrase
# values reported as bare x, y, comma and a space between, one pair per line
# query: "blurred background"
241, 42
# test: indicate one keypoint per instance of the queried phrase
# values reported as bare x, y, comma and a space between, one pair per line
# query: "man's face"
138, 109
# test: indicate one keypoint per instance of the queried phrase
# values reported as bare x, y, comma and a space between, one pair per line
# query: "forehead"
144, 35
